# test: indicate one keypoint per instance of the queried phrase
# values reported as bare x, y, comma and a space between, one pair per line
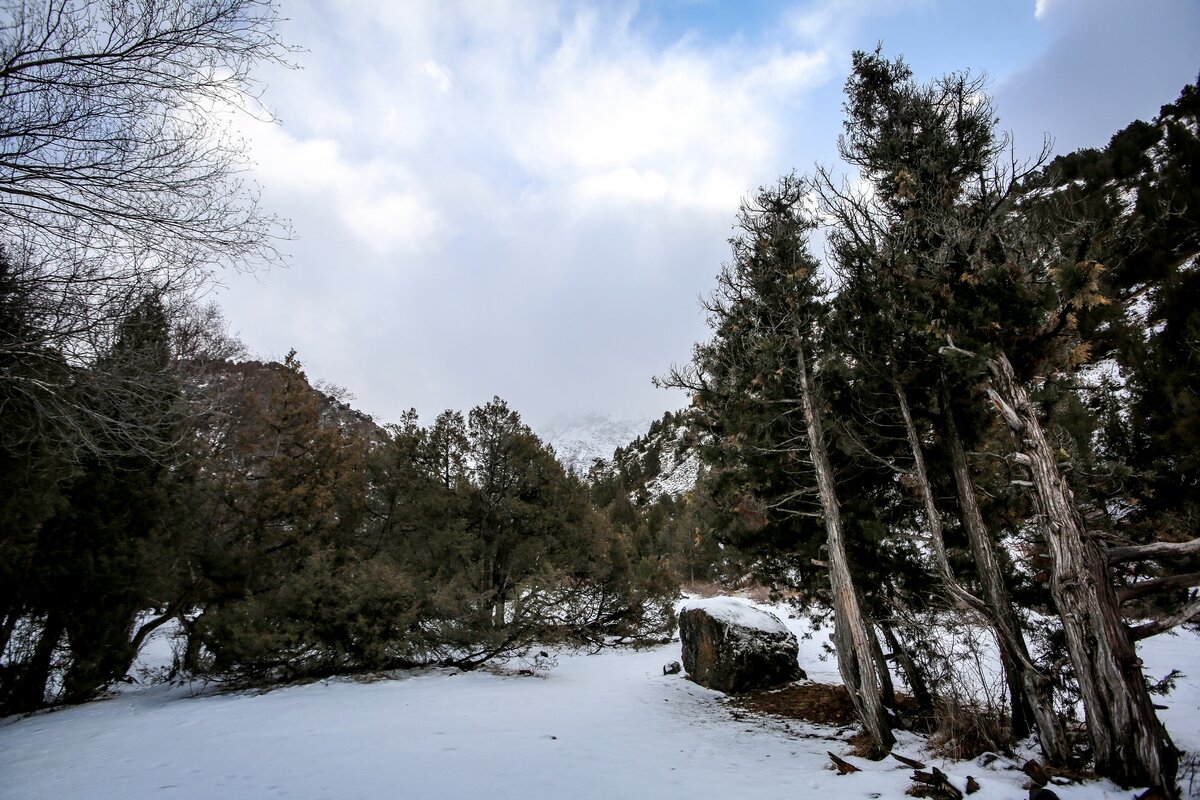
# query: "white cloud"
517, 178
576, 99
606, 114
828, 22
439, 75
379, 204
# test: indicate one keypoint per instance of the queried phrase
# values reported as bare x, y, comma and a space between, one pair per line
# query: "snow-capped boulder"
731, 646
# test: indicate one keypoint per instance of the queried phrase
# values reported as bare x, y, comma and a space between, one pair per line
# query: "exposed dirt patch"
822, 703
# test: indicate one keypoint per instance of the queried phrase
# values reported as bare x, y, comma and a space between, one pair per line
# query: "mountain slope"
579, 441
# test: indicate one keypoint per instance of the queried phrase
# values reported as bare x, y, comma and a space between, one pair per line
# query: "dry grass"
751, 591
822, 703
963, 732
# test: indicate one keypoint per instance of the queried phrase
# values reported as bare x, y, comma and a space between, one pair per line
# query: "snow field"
598, 726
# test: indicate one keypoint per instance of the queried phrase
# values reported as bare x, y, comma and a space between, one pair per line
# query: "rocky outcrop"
731, 646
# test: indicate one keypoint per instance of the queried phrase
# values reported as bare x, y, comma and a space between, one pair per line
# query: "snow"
735, 611
676, 475
579, 441
598, 726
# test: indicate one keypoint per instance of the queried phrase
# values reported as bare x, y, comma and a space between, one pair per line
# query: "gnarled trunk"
1130, 744
1036, 693
851, 636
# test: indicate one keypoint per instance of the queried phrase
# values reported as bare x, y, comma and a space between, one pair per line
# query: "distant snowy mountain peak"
580, 440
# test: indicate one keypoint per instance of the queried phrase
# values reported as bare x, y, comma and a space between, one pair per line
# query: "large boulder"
731, 646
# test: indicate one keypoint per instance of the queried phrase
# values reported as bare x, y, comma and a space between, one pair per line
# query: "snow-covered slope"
579, 441
664, 459
677, 474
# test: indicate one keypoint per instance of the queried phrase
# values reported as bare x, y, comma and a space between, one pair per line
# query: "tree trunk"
9, 625
1033, 692
852, 639
29, 687
886, 686
1029, 690
101, 651
1130, 744
916, 680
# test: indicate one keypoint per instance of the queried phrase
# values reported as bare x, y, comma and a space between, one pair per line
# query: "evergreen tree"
94, 564
756, 386
1003, 315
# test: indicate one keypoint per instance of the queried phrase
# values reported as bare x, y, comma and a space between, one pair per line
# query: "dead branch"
1155, 585
843, 767
1186, 614
1154, 550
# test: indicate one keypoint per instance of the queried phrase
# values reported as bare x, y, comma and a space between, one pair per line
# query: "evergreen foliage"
974, 301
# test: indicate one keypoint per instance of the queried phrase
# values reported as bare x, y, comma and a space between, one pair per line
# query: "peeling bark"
852, 638
1029, 689
1129, 743
1036, 687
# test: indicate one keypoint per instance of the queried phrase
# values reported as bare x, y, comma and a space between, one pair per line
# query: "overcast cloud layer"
527, 199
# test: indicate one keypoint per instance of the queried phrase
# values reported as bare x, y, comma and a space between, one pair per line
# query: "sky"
529, 199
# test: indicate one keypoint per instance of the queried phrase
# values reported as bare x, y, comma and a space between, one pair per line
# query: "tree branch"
1154, 550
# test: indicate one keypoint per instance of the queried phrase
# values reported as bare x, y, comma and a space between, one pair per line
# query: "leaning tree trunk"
1130, 744
1029, 697
1035, 687
852, 639
916, 679
887, 688
28, 689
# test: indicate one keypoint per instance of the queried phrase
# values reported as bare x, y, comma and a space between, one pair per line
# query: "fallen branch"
843, 767
911, 762
940, 783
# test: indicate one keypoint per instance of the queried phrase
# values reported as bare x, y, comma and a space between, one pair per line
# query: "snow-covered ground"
598, 726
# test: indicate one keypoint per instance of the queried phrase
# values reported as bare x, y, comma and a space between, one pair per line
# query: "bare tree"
119, 176
113, 134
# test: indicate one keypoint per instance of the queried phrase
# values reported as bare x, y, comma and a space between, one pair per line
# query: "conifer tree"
1002, 319
757, 390
94, 565
921, 146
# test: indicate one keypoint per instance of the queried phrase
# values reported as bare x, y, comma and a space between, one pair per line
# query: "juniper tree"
920, 146
756, 385
997, 319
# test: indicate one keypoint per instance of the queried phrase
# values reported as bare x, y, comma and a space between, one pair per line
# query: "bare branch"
1155, 585
1155, 550
1186, 614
